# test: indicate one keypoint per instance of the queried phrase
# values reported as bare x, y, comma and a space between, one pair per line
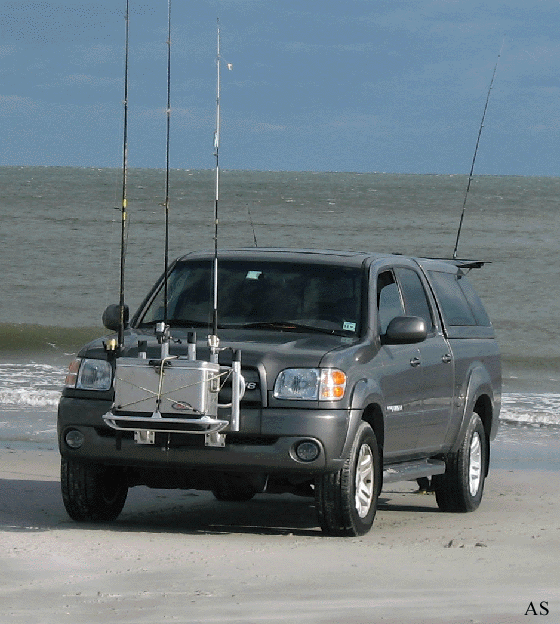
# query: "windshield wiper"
282, 325
188, 323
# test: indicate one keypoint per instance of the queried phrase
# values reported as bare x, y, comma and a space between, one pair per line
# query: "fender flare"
364, 393
479, 384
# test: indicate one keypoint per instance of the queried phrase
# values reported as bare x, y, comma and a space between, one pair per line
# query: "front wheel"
92, 493
460, 488
346, 500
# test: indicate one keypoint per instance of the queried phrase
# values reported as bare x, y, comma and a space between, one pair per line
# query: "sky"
396, 86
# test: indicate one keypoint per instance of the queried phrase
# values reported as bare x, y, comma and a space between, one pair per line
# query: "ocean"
60, 254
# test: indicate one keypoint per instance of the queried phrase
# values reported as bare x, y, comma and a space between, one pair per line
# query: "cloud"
17, 104
6, 50
268, 127
354, 121
299, 47
47, 23
91, 81
102, 53
181, 117
86, 80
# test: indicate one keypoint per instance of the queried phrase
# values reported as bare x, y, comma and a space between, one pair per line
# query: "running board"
409, 471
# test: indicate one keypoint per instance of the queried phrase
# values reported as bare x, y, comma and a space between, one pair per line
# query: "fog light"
74, 438
307, 451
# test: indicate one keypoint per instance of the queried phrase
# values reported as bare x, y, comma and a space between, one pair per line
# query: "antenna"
252, 225
474, 156
120, 337
166, 204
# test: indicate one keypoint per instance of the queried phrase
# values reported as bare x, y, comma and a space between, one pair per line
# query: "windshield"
261, 294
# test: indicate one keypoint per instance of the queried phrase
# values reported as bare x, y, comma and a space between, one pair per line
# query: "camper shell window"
458, 301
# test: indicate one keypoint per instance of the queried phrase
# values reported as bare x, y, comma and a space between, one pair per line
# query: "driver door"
401, 380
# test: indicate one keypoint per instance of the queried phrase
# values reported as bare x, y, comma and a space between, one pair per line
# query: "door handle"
446, 359
415, 361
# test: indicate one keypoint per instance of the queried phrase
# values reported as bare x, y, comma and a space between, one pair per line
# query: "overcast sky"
320, 85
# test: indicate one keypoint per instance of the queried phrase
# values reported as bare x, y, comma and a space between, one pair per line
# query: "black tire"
92, 493
346, 500
460, 488
232, 488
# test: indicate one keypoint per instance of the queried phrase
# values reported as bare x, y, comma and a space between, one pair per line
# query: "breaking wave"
531, 409
30, 385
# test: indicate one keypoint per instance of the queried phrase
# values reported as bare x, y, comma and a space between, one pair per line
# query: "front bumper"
266, 442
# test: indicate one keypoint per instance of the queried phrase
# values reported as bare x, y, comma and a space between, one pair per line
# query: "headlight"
87, 374
310, 384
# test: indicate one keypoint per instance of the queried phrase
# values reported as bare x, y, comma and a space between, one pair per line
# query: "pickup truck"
334, 373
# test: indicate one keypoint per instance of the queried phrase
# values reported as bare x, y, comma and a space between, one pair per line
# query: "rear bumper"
266, 443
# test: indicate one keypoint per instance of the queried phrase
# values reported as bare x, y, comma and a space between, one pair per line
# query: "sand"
181, 556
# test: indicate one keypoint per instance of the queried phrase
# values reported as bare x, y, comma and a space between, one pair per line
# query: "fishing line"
124, 228
475, 153
168, 115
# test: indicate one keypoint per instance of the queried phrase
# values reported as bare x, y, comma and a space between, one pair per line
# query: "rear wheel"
346, 500
92, 493
461, 487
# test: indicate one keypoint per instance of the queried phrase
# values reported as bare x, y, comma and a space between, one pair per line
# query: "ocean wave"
516, 408
532, 409
42, 338
38, 385
29, 398
30, 384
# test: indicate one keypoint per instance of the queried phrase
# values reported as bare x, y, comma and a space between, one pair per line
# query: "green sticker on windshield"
346, 326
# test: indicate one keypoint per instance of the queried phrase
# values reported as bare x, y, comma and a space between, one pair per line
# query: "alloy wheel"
475, 464
364, 480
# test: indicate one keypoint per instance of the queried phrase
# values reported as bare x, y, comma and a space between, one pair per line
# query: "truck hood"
260, 349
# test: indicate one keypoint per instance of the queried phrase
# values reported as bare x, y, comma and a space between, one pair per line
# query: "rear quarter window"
474, 302
460, 305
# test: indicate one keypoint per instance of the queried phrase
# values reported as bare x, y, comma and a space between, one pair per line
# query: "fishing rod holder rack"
175, 394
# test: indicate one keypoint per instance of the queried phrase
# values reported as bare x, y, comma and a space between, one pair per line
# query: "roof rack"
463, 263
469, 264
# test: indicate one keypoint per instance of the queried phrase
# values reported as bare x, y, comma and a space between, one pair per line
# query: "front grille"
253, 389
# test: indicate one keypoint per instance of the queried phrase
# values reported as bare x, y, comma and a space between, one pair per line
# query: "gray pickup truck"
334, 374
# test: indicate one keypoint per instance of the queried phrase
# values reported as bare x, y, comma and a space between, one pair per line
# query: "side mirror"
112, 317
405, 330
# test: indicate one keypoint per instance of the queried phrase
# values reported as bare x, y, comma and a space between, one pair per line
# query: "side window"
455, 308
389, 303
415, 299
474, 302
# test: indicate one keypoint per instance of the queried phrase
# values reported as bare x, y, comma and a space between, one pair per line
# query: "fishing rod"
214, 339
122, 319
166, 204
475, 153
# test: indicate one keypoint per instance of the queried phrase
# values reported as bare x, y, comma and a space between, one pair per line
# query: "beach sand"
181, 556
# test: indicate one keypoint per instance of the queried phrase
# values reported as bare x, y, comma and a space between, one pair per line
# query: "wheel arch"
373, 415
478, 393
483, 407
366, 406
